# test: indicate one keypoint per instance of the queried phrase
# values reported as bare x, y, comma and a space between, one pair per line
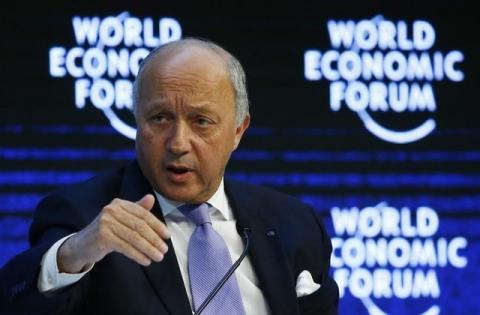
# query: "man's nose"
179, 139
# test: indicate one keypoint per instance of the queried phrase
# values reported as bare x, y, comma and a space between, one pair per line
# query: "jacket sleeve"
54, 218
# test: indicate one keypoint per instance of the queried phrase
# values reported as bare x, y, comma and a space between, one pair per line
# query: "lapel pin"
270, 233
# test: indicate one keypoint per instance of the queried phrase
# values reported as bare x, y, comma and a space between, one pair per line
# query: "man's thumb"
146, 202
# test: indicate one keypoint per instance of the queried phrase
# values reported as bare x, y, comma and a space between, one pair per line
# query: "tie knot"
198, 213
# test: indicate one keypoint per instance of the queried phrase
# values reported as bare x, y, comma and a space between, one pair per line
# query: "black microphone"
227, 275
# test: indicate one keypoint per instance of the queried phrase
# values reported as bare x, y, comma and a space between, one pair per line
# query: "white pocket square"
305, 284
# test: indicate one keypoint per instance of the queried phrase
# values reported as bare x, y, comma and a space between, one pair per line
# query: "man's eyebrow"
200, 106
204, 108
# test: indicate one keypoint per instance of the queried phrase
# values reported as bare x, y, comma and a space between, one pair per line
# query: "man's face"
186, 123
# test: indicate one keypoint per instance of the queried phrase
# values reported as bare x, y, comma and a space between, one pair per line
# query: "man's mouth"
178, 173
178, 169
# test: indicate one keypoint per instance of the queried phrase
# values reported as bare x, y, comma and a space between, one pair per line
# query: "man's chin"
184, 194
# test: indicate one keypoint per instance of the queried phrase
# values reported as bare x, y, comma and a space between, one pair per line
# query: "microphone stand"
227, 275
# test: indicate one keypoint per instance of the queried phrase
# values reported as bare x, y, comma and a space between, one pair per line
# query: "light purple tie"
208, 261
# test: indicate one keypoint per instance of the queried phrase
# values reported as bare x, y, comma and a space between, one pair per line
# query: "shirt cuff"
50, 279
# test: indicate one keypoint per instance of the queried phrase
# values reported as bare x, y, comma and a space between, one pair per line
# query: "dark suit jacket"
286, 238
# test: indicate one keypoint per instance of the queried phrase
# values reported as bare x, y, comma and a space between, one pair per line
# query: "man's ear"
240, 130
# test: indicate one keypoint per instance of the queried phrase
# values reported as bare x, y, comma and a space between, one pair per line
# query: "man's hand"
122, 226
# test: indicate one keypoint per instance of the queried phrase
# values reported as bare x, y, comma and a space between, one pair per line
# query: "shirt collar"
219, 201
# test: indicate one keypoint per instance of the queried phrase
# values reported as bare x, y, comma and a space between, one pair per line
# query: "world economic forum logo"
384, 252
106, 60
378, 67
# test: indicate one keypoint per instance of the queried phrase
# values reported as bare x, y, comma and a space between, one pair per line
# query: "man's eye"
159, 118
203, 121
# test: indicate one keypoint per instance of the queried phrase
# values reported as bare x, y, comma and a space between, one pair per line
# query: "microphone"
227, 276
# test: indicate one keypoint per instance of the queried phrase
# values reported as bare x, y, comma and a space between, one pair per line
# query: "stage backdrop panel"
368, 113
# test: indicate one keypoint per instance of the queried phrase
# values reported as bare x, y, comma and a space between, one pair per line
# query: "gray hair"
234, 68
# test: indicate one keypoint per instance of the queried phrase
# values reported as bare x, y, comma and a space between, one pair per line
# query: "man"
123, 243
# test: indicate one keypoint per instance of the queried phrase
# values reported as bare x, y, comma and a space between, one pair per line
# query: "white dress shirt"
180, 228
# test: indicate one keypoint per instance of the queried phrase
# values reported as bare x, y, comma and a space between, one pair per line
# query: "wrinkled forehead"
189, 70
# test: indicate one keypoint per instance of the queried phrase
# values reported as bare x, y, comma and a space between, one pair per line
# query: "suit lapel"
265, 250
165, 277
